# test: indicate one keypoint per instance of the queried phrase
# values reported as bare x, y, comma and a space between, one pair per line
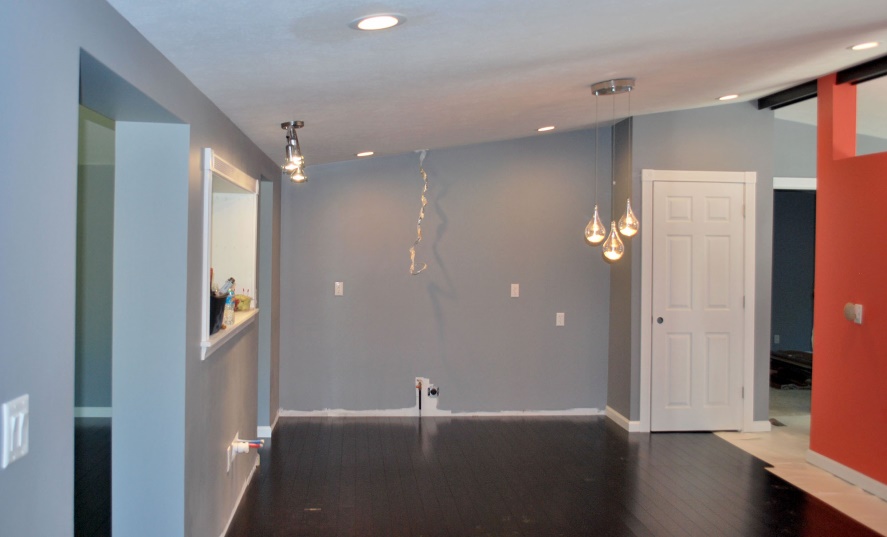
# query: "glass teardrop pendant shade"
628, 224
613, 246
595, 232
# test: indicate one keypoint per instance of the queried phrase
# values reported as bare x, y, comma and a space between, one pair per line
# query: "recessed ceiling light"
865, 46
366, 154
728, 97
546, 129
379, 21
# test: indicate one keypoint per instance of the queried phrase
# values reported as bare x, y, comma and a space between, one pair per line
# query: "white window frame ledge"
242, 319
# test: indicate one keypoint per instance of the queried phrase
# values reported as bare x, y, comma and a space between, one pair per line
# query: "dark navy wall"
794, 234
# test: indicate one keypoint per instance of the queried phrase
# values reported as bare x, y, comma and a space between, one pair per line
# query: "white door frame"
749, 179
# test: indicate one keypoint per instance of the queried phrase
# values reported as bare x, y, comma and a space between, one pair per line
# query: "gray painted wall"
269, 293
794, 149
148, 356
39, 86
95, 225
624, 299
725, 138
498, 213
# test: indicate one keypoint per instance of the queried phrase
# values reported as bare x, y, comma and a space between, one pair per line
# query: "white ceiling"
470, 71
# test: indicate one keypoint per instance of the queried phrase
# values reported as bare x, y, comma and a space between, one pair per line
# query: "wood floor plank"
455, 477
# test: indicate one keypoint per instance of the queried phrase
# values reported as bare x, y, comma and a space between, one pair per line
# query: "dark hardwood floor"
92, 477
489, 476
517, 476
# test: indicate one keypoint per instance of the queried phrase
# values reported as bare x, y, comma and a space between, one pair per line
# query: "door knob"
659, 320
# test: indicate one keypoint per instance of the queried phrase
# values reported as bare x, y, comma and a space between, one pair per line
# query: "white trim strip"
750, 274
413, 411
246, 483
794, 183
848, 474
622, 421
92, 412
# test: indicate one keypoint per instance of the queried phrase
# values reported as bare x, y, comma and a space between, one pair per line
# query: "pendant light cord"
613, 164
630, 149
596, 144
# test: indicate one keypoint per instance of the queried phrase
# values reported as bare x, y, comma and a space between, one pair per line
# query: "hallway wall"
40, 89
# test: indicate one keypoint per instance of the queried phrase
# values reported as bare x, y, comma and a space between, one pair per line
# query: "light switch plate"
559, 319
15, 422
515, 290
339, 289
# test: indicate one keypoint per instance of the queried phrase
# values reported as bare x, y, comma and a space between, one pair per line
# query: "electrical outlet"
776, 339
559, 319
339, 289
16, 418
515, 290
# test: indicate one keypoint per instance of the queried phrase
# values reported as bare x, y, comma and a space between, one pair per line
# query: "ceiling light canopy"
378, 21
728, 97
366, 154
865, 46
613, 87
545, 129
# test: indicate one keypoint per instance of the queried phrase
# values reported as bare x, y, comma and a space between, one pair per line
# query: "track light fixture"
294, 165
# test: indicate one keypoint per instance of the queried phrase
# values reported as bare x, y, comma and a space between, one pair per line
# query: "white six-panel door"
697, 306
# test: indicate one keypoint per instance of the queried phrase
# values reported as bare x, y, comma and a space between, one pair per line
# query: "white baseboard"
249, 479
92, 412
264, 431
848, 474
431, 413
622, 421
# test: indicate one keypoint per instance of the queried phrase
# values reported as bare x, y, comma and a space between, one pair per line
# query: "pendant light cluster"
294, 164
628, 226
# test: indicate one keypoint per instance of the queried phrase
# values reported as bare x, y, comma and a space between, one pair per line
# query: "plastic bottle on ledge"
228, 318
229, 284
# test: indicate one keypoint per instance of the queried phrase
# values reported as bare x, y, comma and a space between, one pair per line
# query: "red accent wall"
849, 416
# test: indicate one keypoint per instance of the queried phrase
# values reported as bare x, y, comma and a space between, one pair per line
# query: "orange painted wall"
849, 397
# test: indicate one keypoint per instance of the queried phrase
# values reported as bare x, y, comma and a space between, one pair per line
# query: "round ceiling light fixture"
545, 129
729, 97
865, 46
378, 21
366, 154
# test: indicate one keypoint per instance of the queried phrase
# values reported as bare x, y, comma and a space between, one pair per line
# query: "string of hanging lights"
613, 248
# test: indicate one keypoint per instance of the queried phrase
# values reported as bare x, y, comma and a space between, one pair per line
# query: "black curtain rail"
852, 75
788, 96
864, 72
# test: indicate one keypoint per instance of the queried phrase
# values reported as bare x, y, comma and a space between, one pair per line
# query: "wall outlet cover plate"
14, 437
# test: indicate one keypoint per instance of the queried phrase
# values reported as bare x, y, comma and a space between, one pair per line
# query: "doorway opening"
791, 344
93, 325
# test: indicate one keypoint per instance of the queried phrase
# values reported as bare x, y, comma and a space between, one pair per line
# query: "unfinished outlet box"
230, 453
